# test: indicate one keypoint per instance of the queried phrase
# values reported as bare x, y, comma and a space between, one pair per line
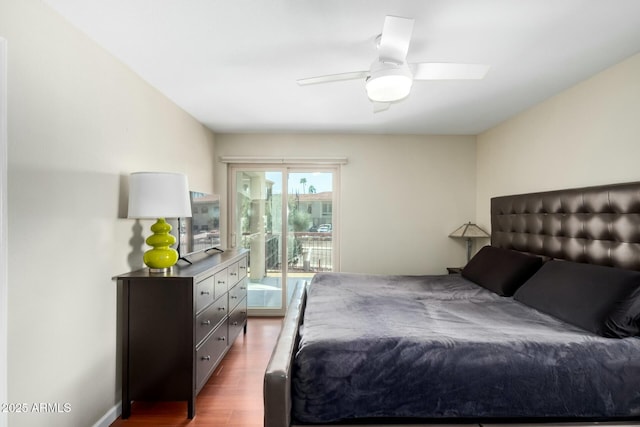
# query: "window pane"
310, 223
258, 219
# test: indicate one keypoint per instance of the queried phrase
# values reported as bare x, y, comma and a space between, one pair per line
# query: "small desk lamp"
469, 231
159, 195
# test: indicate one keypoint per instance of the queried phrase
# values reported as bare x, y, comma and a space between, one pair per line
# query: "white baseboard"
111, 415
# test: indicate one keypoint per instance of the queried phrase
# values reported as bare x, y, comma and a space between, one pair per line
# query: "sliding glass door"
285, 217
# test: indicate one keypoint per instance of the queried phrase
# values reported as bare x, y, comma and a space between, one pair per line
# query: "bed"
541, 326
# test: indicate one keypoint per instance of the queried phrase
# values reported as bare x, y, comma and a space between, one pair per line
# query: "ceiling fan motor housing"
388, 81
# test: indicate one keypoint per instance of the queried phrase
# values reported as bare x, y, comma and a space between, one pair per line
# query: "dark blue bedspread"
441, 347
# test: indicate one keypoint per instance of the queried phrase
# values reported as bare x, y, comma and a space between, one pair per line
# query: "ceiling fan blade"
333, 78
448, 71
380, 106
395, 39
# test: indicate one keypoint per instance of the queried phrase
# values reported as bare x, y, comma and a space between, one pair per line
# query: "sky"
322, 181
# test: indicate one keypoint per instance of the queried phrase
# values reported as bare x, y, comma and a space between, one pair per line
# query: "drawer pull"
243, 312
235, 323
222, 338
243, 288
242, 267
220, 282
206, 323
205, 293
233, 297
234, 274
221, 308
207, 357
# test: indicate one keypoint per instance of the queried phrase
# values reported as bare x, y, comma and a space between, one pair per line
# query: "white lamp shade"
158, 195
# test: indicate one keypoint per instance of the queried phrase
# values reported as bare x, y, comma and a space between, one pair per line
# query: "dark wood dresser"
177, 326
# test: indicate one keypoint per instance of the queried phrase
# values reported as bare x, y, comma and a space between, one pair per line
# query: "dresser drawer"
209, 354
204, 293
233, 274
242, 268
210, 317
221, 279
237, 319
237, 293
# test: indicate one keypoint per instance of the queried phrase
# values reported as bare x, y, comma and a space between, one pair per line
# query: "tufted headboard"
595, 225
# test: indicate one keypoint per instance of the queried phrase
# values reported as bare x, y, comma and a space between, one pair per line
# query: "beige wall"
79, 123
587, 135
400, 195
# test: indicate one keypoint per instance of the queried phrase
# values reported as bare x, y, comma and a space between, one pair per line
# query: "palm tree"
312, 189
303, 181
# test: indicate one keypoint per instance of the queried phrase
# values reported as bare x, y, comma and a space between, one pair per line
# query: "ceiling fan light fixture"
389, 82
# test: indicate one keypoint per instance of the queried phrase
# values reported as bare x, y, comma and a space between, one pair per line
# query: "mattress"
439, 347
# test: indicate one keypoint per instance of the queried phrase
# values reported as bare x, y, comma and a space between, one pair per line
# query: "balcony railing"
316, 252
307, 251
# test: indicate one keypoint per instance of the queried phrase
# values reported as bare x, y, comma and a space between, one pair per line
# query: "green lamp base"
162, 257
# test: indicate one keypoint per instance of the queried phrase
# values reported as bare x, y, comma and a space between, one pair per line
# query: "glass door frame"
285, 170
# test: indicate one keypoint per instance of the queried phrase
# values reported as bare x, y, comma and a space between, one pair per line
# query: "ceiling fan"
390, 77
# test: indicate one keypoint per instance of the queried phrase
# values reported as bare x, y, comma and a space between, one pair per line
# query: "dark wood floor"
233, 395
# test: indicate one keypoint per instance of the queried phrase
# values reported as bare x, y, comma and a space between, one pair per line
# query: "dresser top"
201, 263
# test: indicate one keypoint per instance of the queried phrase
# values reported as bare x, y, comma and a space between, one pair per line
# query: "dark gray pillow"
501, 270
603, 300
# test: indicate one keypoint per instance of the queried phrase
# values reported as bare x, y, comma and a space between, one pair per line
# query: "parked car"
324, 228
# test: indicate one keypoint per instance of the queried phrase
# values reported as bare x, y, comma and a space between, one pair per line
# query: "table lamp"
159, 195
469, 232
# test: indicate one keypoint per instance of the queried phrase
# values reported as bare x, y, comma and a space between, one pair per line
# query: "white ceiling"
233, 64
